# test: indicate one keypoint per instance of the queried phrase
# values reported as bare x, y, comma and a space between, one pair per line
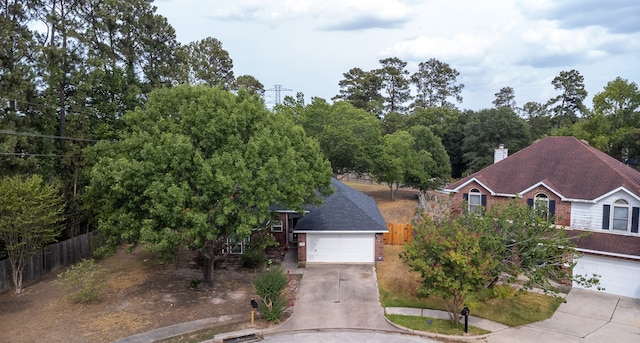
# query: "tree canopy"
511, 243
349, 137
198, 165
487, 129
30, 217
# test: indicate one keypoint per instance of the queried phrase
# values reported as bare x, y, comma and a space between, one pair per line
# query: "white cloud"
328, 14
460, 46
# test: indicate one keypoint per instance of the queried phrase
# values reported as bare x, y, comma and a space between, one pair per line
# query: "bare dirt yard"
144, 293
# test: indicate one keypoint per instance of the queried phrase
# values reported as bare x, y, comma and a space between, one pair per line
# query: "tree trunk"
17, 269
454, 305
207, 271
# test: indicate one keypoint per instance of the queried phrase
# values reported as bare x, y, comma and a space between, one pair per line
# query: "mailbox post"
254, 306
465, 313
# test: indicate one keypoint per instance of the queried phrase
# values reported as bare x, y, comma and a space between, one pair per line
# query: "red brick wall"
281, 237
302, 247
563, 208
379, 246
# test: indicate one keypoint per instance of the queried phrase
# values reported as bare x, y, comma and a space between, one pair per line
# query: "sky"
307, 45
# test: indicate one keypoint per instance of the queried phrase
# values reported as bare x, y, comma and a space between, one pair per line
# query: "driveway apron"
586, 316
338, 296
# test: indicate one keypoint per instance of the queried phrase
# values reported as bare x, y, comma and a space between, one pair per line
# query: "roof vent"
500, 154
584, 141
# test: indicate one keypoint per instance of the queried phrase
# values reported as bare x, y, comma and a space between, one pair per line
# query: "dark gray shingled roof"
345, 210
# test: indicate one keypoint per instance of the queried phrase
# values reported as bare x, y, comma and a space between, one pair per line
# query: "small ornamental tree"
30, 217
451, 261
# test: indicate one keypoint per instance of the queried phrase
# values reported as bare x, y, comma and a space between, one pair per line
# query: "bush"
270, 286
83, 282
253, 258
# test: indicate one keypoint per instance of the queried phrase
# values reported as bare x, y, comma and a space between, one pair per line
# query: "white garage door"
620, 277
341, 247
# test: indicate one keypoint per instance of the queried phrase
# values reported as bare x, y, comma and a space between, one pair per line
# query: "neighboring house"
583, 189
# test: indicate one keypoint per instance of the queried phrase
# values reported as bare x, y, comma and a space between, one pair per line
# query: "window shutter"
635, 213
605, 216
465, 196
483, 200
530, 202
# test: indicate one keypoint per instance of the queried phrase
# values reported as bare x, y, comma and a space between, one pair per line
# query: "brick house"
347, 228
582, 189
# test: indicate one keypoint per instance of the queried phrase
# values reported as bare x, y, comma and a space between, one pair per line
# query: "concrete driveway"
587, 316
338, 296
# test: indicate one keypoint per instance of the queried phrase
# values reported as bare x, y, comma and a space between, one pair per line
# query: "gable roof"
566, 165
345, 210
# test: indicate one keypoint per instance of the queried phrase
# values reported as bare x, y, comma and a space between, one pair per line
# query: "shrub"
270, 286
253, 258
83, 282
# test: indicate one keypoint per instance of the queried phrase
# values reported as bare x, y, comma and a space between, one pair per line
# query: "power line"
29, 134
26, 154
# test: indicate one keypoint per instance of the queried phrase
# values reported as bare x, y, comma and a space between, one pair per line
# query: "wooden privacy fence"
398, 234
48, 258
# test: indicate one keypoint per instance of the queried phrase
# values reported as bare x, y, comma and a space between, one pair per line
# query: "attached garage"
617, 276
347, 228
341, 247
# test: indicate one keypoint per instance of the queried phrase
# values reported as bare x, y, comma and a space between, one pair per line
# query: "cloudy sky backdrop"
307, 45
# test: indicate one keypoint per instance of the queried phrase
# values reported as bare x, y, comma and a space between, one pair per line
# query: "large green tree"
525, 242
538, 119
506, 97
209, 63
395, 84
436, 82
198, 165
510, 243
433, 168
350, 138
31, 215
362, 90
451, 261
619, 105
568, 105
487, 129
397, 160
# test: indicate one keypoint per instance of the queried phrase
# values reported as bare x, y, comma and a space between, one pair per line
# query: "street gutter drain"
246, 338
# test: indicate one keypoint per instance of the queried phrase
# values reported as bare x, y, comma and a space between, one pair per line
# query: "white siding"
589, 216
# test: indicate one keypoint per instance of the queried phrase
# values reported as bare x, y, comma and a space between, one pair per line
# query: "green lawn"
440, 326
397, 289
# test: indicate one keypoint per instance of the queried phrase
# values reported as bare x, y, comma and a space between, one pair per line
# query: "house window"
236, 246
276, 226
621, 215
541, 205
475, 200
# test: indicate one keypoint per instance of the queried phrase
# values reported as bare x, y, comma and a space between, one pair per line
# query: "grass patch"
518, 309
397, 285
441, 326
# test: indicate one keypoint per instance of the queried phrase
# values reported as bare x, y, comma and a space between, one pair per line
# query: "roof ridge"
608, 160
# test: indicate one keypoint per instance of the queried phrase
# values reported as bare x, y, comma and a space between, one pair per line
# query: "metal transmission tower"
278, 89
